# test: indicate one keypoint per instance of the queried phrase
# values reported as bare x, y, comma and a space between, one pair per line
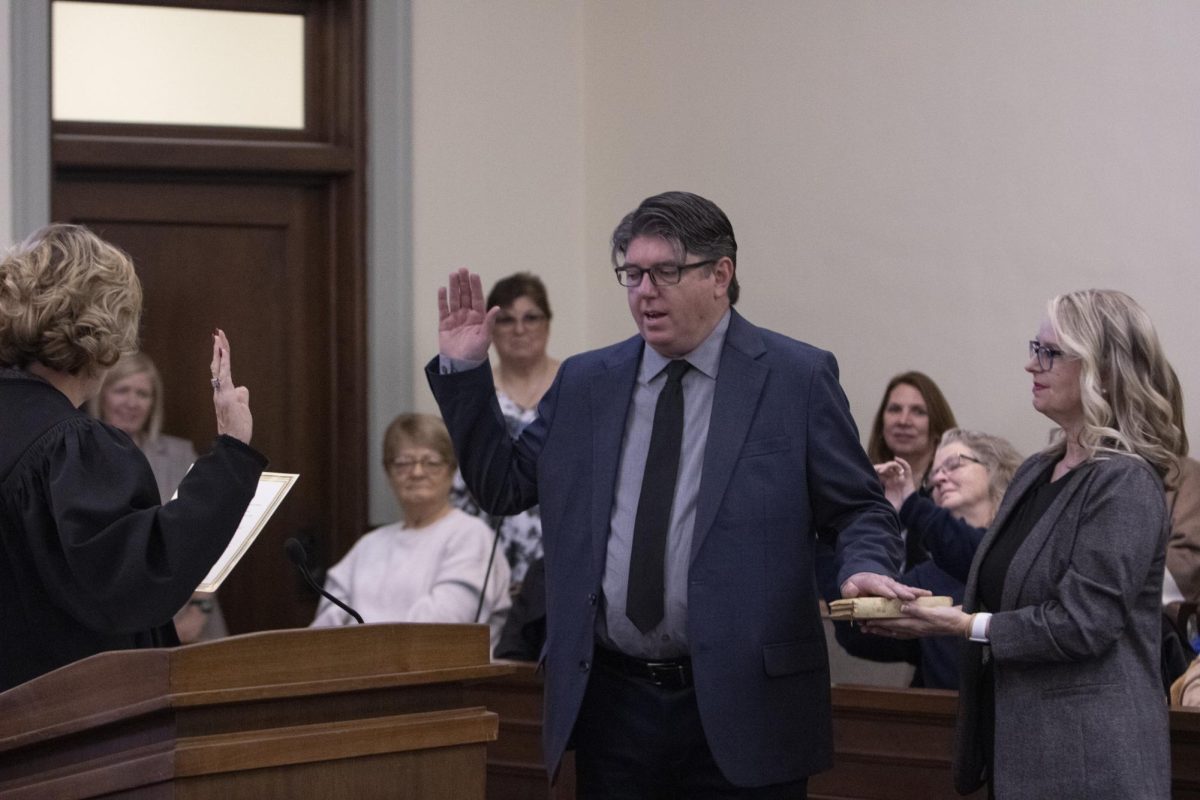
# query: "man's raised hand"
464, 324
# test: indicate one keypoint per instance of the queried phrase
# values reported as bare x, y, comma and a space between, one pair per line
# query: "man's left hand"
871, 584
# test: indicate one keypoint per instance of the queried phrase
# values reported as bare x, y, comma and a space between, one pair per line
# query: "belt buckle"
667, 674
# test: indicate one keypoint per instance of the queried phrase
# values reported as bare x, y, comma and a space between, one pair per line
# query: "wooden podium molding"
365, 711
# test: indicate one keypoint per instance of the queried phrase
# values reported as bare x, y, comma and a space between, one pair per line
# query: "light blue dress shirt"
669, 638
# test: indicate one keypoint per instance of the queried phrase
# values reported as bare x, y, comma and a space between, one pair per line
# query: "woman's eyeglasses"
1044, 354
403, 466
508, 322
950, 465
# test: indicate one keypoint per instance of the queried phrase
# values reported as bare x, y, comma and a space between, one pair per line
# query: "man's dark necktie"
644, 601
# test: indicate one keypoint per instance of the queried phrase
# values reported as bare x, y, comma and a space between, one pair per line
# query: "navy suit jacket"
783, 460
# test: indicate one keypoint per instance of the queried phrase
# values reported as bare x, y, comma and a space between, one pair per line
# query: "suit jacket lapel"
611, 392
740, 381
1031, 548
1029, 473
1023, 559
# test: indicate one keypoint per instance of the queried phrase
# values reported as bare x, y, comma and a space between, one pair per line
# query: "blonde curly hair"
68, 300
1125, 383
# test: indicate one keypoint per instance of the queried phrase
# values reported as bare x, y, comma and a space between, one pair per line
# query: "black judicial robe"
89, 559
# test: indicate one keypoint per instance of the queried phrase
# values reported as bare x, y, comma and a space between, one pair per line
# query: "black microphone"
296, 554
499, 521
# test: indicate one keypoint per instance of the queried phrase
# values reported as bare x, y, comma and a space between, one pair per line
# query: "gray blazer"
169, 457
1080, 710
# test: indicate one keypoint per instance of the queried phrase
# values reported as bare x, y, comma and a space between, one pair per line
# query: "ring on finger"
216, 384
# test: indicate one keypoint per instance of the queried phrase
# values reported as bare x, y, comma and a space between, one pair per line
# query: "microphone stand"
296, 554
496, 524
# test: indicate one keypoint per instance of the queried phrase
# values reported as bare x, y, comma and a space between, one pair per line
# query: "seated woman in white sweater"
430, 566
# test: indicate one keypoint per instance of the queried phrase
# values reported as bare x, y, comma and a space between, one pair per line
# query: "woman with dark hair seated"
912, 416
522, 373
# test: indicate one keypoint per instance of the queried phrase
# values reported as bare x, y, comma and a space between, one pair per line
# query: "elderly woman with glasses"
522, 373
436, 563
1061, 691
969, 475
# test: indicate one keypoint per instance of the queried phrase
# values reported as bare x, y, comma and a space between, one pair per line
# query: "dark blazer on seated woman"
937, 658
1079, 708
950, 543
89, 559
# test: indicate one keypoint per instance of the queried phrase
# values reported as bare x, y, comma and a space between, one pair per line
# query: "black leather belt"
675, 673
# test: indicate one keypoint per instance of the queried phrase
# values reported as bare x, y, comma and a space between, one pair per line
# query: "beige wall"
498, 162
6, 200
909, 181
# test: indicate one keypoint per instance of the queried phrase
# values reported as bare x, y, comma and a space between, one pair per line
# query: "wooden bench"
888, 743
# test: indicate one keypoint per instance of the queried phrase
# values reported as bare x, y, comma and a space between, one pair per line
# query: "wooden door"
260, 233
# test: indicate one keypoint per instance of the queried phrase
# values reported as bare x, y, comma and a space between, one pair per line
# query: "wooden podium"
364, 712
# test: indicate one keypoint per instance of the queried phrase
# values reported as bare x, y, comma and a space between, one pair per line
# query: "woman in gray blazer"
1061, 694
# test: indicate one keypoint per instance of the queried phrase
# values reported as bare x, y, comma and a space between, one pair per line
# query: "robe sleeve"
108, 553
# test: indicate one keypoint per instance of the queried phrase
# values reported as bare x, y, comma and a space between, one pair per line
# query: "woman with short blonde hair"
90, 558
69, 301
420, 430
131, 400
437, 563
137, 363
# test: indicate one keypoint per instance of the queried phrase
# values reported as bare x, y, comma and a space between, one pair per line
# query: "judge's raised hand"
897, 479
464, 324
232, 403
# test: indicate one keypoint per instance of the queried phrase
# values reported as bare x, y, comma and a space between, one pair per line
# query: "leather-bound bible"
853, 608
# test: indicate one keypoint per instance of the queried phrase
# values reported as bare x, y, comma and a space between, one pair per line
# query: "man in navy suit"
682, 475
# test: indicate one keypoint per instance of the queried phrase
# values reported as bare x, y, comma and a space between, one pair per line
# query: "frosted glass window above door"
176, 66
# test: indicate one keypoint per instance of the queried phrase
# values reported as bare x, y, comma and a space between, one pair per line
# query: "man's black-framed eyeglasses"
660, 274
1044, 354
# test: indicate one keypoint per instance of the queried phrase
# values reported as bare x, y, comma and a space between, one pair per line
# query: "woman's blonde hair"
421, 430
133, 364
998, 456
68, 300
1125, 381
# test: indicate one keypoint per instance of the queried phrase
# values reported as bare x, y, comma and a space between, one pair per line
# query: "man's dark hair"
508, 290
688, 221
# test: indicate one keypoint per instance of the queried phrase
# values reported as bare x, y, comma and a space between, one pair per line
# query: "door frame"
329, 151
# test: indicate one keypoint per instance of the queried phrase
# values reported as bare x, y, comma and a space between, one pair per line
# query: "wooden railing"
888, 743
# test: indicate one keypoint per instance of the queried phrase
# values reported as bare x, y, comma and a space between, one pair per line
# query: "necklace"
526, 392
